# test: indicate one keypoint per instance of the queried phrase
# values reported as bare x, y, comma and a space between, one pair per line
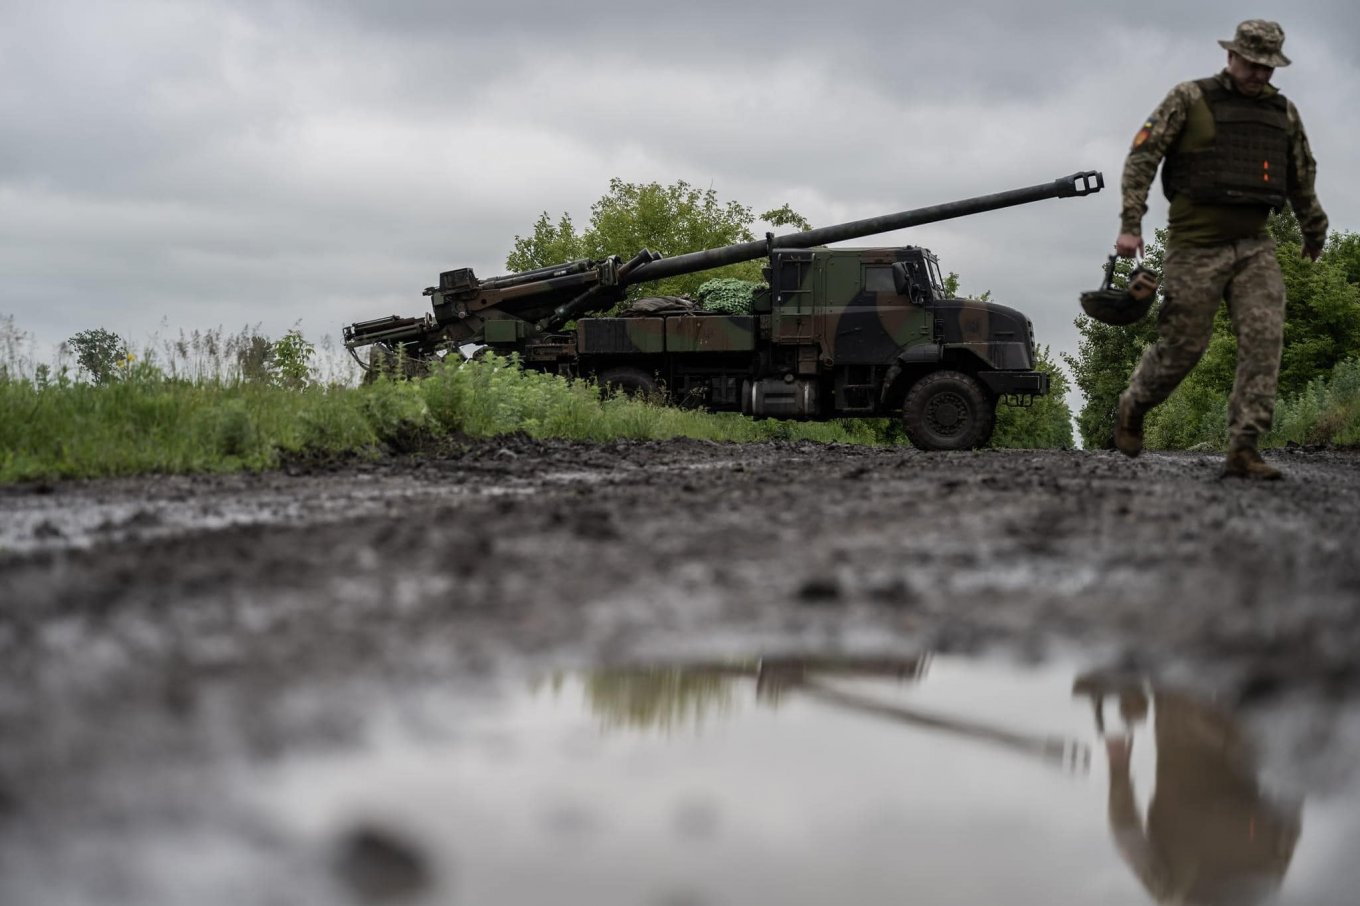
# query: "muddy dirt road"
188, 662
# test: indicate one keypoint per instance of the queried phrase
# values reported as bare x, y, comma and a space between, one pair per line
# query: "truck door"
795, 300
869, 323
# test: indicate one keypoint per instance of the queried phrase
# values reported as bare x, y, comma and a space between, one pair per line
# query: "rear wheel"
631, 382
948, 410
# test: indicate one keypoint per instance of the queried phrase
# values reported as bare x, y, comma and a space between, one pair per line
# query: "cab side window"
879, 280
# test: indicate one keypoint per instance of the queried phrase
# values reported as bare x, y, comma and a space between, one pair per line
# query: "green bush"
293, 360
398, 413
1327, 411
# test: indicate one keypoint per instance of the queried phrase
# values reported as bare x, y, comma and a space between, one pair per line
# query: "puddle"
931, 780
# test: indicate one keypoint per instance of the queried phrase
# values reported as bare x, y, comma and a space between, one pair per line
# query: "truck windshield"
933, 267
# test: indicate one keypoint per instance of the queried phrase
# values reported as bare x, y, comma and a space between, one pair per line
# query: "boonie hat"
1259, 41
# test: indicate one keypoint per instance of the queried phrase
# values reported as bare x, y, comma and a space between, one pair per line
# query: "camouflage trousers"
1195, 281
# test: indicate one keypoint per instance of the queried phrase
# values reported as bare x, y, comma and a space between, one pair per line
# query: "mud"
166, 642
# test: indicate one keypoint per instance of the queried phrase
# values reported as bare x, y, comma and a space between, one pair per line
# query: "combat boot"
1128, 427
1244, 462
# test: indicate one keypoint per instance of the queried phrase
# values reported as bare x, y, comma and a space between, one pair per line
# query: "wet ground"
684, 673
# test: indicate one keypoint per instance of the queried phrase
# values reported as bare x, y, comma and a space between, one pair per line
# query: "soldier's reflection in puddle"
1211, 834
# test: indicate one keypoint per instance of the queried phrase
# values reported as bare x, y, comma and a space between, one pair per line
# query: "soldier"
1235, 150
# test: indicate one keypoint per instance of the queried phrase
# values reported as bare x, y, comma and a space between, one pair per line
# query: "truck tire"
631, 382
948, 410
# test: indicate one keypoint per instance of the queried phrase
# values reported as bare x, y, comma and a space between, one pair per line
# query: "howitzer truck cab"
838, 332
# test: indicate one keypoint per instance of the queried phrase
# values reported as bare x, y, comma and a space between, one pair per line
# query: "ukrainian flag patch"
1143, 134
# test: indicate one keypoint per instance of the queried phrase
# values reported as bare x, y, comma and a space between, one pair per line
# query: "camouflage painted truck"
838, 332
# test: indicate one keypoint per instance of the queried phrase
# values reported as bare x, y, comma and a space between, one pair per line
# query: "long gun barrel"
1077, 184
549, 297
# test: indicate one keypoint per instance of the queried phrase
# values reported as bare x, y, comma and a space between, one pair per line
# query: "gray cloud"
227, 163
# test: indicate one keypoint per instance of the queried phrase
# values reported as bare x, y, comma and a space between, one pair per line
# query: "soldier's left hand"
1128, 245
1312, 252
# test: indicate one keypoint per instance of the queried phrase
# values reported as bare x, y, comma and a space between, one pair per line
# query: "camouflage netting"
728, 295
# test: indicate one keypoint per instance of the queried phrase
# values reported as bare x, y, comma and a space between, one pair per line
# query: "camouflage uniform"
1219, 251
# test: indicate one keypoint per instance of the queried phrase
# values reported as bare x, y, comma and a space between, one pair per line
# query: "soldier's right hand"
1128, 245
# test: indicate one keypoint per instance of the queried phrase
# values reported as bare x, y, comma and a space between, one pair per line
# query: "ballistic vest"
1248, 162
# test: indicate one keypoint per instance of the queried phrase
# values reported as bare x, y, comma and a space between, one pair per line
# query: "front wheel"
948, 410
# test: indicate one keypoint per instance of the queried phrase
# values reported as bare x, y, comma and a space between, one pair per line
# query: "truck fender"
908, 361
921, 352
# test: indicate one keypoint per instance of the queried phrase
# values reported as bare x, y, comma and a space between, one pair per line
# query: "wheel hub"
947, 413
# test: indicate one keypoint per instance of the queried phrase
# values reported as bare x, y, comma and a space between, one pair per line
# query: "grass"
209, 403
133, 427
202, 402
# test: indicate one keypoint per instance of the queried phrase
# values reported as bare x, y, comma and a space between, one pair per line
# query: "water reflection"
667, 698
1210, 835
670, 698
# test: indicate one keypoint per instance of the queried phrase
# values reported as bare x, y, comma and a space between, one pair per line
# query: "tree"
99, 353
549, 243
951, 289
786, 216
673, 220
1322, 320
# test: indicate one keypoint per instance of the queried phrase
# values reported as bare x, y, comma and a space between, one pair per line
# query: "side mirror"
901, 278
903, 283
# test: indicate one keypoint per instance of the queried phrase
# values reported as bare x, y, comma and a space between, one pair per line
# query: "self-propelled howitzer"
839, 332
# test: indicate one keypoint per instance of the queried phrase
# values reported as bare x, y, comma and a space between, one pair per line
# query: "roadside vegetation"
225, 403
1319, 391
211, 401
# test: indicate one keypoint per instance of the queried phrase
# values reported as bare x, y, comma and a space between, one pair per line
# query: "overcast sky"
195, 164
